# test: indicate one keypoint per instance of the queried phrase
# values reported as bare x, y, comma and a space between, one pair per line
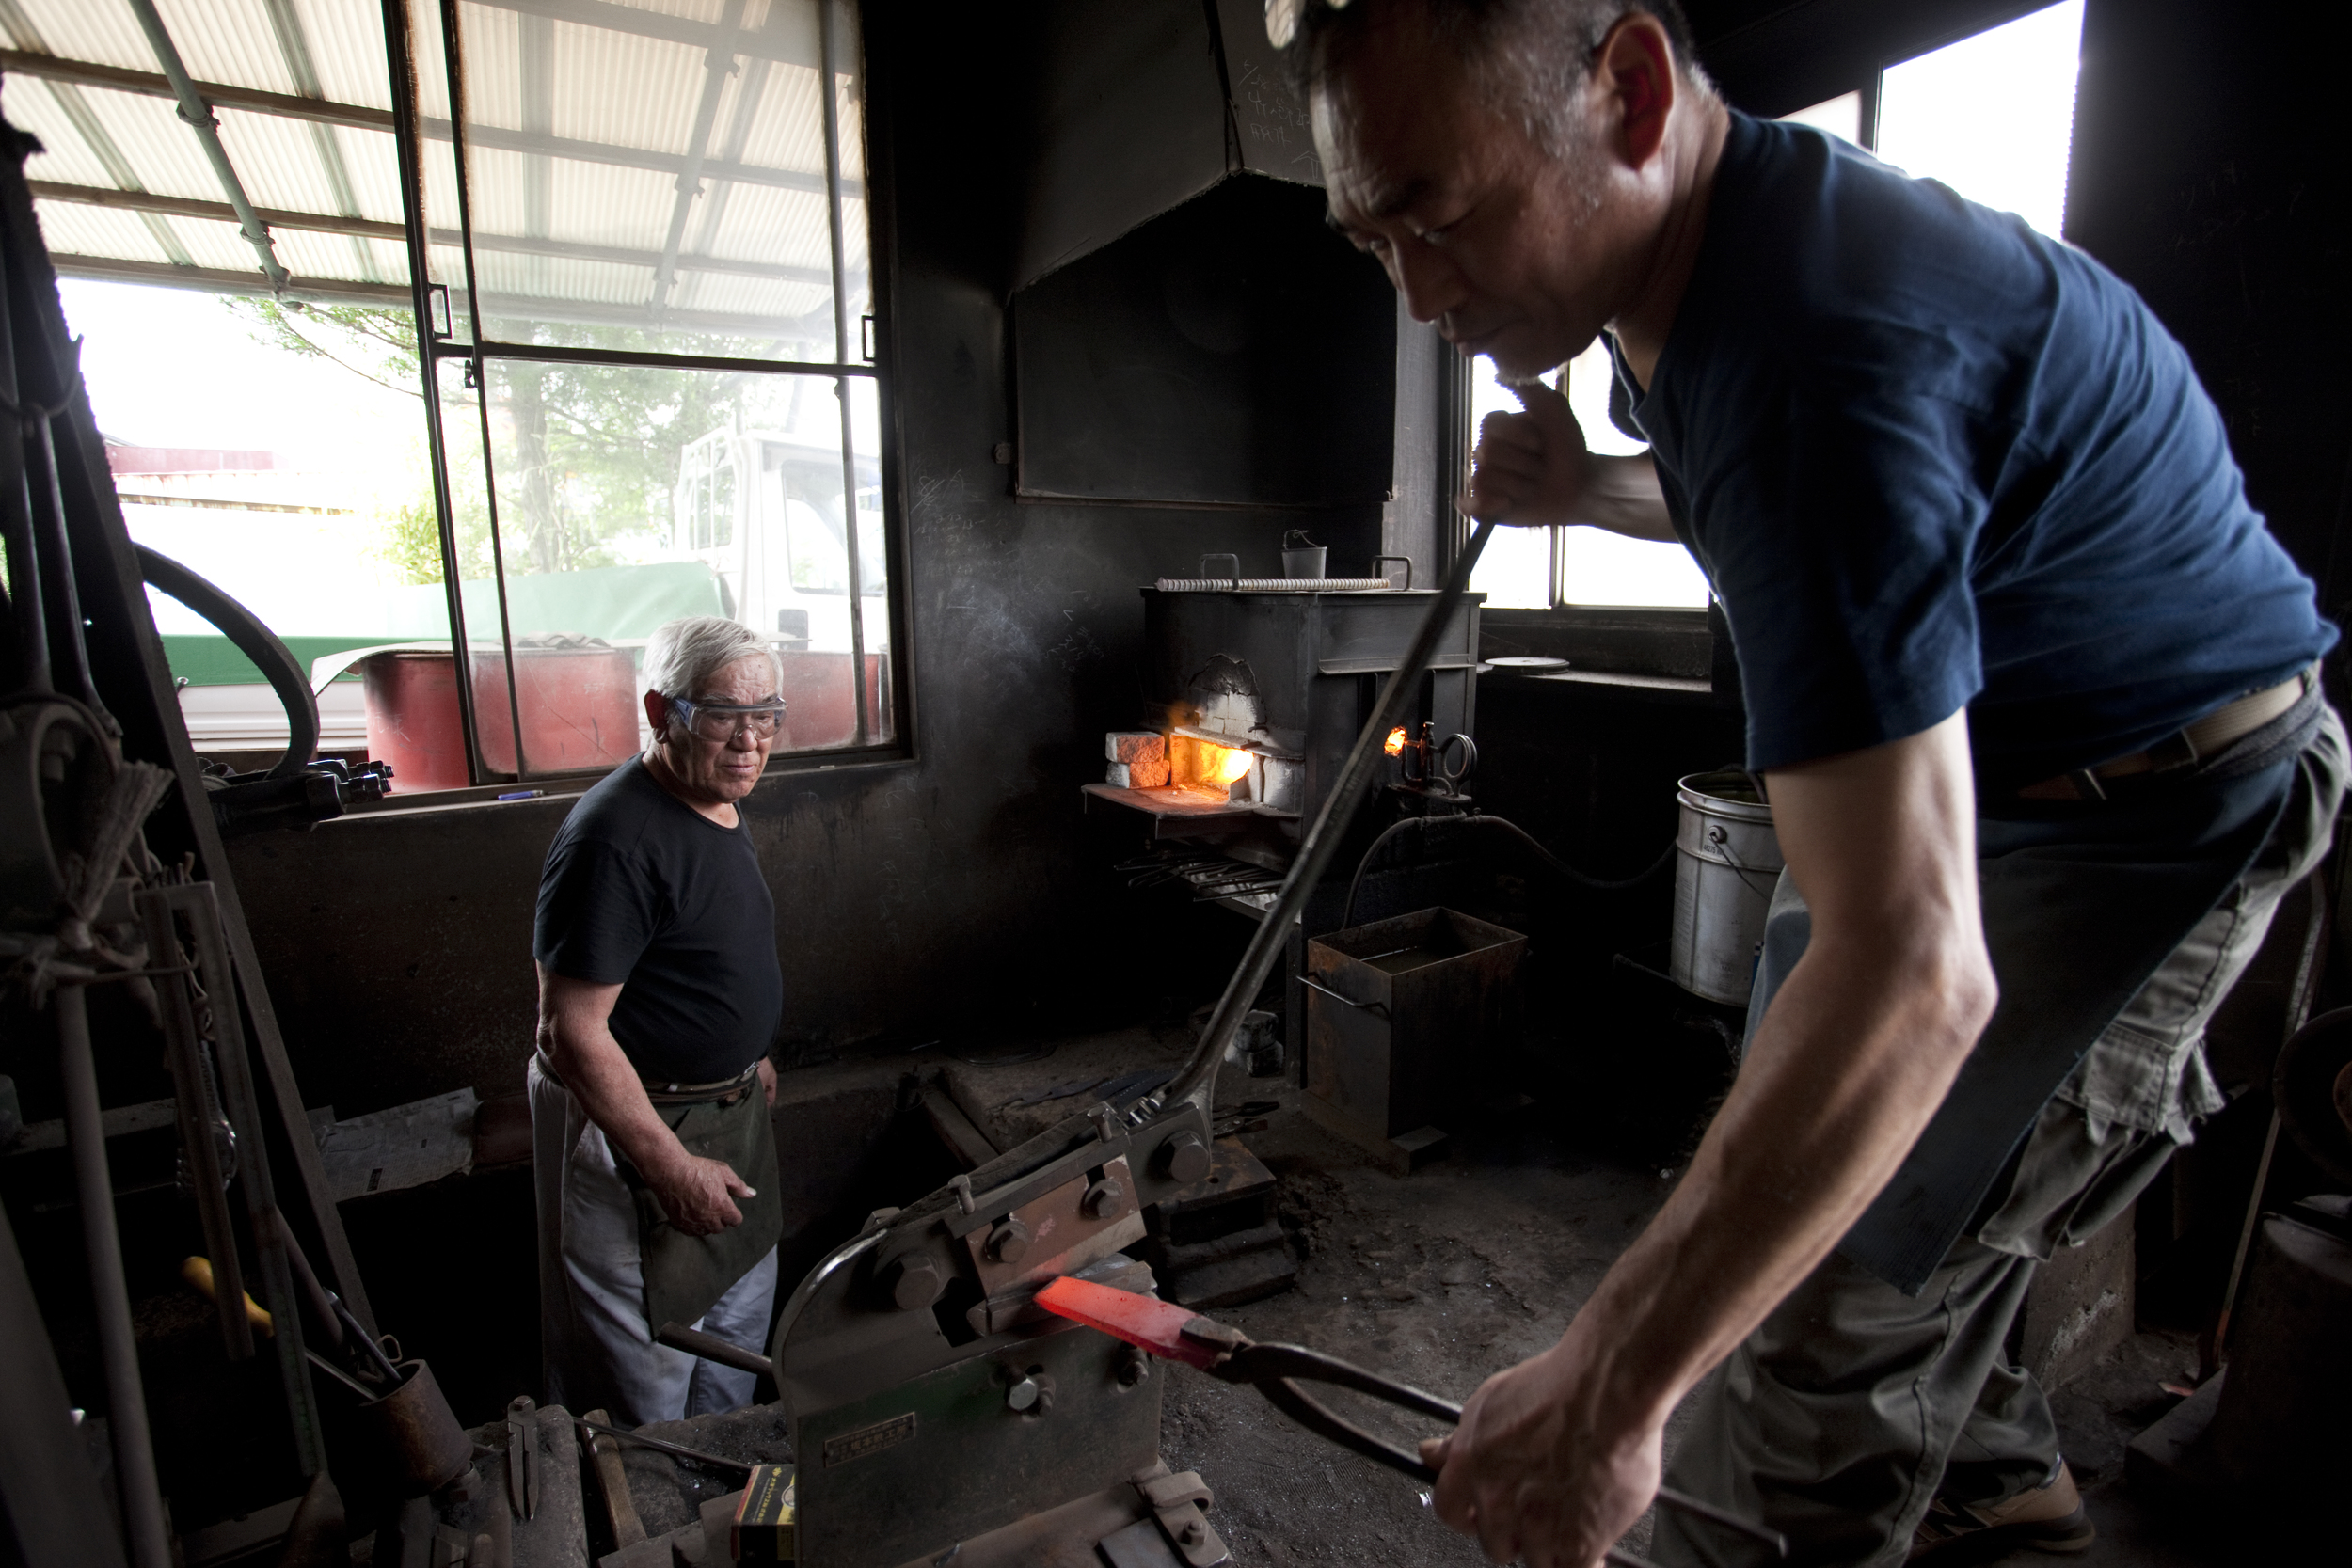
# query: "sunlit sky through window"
1992, 116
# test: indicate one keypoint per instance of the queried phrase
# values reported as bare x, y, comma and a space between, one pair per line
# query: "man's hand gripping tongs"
1175, 1333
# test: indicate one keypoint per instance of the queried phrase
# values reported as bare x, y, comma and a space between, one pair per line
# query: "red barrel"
580, 711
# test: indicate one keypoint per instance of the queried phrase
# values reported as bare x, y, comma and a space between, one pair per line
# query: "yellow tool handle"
198, 1273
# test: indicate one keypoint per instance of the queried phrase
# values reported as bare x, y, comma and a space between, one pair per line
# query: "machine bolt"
1190, 1531
1134, 1367
1184, 1159
1023, 1395
914, 1283
1008, 1242
1103, 1198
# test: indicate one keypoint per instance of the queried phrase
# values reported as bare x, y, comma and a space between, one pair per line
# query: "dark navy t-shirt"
644, 891
1930, 458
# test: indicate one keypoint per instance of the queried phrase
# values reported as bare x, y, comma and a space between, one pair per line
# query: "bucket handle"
1380, 1008
1721, 843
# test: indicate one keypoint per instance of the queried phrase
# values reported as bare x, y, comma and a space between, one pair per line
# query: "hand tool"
676, 1450
198, 1273
522, 1457
1176, 1334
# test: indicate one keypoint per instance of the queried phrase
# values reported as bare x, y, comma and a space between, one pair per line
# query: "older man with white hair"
659, 996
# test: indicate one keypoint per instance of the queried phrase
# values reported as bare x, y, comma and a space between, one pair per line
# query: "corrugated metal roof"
584, 120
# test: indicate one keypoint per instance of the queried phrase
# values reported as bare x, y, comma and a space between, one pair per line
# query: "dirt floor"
1475, 1262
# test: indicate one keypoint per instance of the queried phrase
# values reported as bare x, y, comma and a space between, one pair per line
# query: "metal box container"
1403, 1016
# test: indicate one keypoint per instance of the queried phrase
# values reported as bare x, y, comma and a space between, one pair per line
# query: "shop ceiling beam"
772, 44
334, 290
718, 65
329, 223
148, 84
200, 117
218, 211
224, 281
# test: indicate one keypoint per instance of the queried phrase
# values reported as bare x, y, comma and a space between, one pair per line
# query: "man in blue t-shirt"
2034, 693
659, 994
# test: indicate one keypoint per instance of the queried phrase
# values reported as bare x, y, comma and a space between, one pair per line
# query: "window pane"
1596, 567
629, 496
1515, 573
662, 172
1840, 116
296, 484
1991, 115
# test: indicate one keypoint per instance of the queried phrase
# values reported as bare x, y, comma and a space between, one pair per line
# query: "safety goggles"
725, 720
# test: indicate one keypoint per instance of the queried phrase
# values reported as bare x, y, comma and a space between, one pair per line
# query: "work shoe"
2045, 1518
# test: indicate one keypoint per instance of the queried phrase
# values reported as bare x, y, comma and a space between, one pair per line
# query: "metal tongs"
1175, 1333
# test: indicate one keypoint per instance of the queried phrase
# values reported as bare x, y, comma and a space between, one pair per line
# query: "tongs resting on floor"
1176, 1334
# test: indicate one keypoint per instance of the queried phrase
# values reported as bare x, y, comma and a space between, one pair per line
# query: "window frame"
1670, 642
865, 335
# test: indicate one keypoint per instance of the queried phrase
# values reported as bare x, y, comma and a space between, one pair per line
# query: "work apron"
2082, 901
726, 1121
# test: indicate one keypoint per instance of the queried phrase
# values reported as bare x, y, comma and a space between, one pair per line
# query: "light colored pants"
595, 1349
1853, 1406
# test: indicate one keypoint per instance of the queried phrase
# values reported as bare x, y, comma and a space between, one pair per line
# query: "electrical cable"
1590, 883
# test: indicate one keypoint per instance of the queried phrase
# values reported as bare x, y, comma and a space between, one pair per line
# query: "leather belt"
2184, 747
665, 1093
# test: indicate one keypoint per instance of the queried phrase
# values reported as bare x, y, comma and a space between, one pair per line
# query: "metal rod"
828, 87
1321, 843
235, 1069
194, 1102
401, 58
56, 548
16, 528
324, 1308
200, 117
454, 68
661, 1446
117, 1345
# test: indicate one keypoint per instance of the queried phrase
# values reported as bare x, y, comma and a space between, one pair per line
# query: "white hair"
682, 655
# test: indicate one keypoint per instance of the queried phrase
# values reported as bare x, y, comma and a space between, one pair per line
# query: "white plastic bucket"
1727, 858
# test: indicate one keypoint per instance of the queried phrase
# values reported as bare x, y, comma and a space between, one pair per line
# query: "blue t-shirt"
1930, 458
641, 891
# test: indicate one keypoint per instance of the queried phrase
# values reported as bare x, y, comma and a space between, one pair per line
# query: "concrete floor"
1475, 1261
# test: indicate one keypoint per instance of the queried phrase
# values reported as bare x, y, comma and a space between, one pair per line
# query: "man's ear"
657, 713
1634, 73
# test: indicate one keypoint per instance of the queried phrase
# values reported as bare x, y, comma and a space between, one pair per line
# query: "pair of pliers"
1175, 1333
522, 1457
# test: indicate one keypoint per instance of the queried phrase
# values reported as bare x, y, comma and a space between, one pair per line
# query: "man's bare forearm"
596, 1072
1621, 494
1843, 1075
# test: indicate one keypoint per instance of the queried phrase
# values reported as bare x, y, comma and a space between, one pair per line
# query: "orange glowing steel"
1231, 764
1394, 745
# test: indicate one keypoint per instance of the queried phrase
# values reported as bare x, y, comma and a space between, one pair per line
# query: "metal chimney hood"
1140, 105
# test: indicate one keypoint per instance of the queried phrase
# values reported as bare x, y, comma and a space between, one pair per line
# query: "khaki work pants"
1843, 1416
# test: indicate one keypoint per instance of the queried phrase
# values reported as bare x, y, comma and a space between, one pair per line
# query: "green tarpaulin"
615, 603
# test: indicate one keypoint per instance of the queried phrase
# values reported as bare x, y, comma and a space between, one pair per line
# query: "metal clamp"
1380, 1008
1233, 577
1408, 568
